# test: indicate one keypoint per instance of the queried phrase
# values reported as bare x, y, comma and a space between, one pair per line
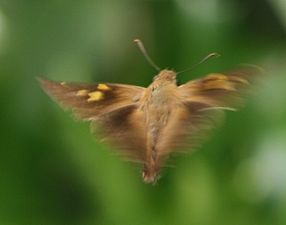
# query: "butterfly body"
157, 104
147, 124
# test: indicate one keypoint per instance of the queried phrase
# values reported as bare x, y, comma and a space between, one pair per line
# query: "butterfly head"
166, 76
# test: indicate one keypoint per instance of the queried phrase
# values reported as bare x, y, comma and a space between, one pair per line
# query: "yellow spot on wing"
217, 76
63, 83
82, 92
95, 96
103, 87
220, 76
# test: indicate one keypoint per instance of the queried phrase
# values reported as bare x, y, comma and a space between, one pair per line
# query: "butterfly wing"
91, 101
221, 90
113, 108
188, 125
201, 107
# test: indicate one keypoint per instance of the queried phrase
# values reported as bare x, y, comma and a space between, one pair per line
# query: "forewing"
221, 90
91, 101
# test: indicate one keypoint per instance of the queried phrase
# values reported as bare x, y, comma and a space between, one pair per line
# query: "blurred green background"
53, 172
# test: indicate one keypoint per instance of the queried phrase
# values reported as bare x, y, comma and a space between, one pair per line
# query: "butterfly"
146, 125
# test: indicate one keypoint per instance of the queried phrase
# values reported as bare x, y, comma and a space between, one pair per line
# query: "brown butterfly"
147, 124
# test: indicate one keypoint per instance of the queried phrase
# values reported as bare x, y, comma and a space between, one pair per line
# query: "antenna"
209, 56
144, 52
